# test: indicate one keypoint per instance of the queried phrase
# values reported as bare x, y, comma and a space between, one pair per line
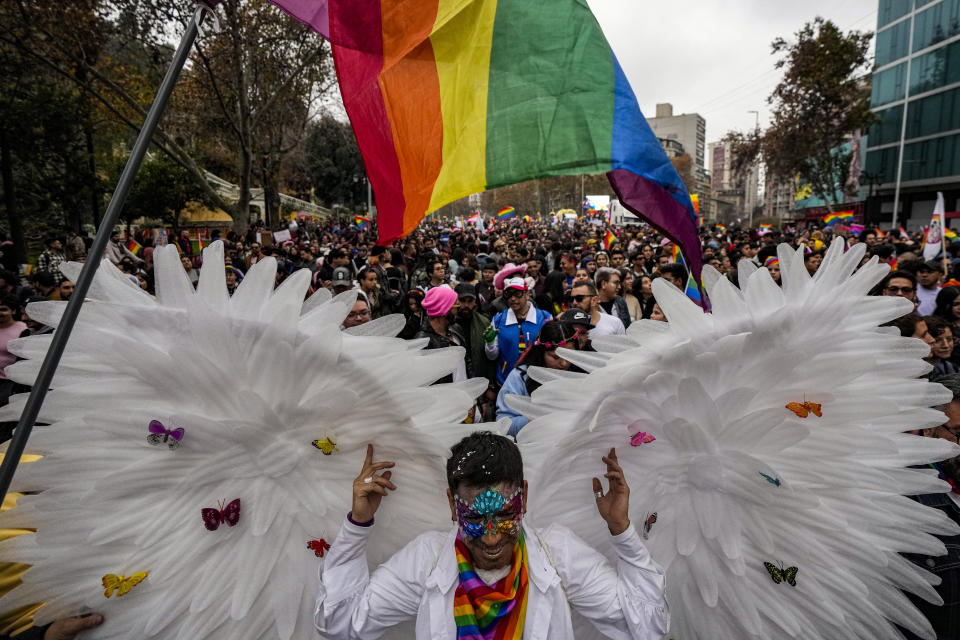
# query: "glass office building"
917, 72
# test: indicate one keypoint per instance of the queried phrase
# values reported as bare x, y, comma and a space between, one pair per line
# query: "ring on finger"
368, 480
598, 494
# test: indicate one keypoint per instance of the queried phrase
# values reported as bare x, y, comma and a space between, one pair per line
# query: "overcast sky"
712, 57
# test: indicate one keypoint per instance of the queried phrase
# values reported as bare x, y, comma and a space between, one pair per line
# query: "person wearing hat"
542, 353
340, 280
440, 329
517, 327
581, 321
928, 286
477, 330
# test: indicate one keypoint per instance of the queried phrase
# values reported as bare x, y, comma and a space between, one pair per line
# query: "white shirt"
927, 299
607, 325
419, 582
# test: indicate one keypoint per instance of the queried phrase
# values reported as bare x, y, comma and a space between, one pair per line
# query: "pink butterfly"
161, 435
641, 437
213, 518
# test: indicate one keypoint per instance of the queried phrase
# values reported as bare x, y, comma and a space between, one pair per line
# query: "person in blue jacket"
517, 327
542, 353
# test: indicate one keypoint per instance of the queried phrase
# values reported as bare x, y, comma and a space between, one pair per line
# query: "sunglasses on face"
900, 290
582, 296
512, 293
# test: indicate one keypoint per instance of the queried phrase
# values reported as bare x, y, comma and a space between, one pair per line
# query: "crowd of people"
513, 294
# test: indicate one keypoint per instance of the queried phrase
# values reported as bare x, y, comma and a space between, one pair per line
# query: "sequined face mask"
490, 512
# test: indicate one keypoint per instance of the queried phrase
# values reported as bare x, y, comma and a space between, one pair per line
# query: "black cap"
576, 317
466, 290
931, 265
377, 249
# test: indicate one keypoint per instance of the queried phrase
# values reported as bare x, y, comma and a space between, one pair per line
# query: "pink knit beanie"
439, 301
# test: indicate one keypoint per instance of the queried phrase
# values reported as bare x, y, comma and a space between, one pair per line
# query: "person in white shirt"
584, 297
491, 556
928, 286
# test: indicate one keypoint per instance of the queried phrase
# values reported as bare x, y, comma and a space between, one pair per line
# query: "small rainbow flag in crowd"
880, 234
677, 256
361, 222
609, 239
857, 228
196, 246
134, 247
765, 228
839, 216
719, 227
950, 235
506, 213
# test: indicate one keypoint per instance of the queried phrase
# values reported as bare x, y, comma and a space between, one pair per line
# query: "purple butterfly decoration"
161, 435
213, 518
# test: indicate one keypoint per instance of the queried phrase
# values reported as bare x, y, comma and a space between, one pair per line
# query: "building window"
939, 22
883, 162
937, 158
892, 43
888, 85
935, 69
890, 10
888, 129
933, 114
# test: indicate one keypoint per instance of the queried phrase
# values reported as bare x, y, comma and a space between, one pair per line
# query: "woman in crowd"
644, 295
542, 353
626, 292
942, 349
948, 309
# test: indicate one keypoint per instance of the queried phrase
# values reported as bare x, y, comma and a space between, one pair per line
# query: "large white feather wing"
736, 478
253, 379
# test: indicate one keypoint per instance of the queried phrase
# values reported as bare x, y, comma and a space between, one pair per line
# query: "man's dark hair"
12, 303
906, 324
906, 275
483, 459
882, 250
592, 288
675, 270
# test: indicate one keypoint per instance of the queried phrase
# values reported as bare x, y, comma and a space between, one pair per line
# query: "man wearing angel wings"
491, 576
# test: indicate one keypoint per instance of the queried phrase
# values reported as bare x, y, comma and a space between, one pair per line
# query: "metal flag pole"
50, 361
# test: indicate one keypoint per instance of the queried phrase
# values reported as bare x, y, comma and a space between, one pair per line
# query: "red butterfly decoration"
213, 518
319, 547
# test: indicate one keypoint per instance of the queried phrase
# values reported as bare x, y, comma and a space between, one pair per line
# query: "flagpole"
62, 334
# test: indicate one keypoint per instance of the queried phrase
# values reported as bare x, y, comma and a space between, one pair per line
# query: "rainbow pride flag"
719, 227
840, 216
361, 222
134, 247
609, 239
765, 229
196, 246
453, 97
506, 213
950, 235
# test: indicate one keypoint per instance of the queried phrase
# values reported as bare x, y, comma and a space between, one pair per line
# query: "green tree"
334, 164
160, 192
821, 101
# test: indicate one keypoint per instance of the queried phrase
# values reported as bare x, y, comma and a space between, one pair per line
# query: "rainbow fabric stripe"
134, 247
609, 239
721, 228
950, 235
772, 261
506, 213
453, 97
840, 216
361, 222
857, 229
491, 613
766, 227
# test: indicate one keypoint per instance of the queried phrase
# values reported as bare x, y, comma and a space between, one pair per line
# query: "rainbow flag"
950, 235
134, 247
449, 98
840, 216
196, 246
609, 239
719, 227
765, 229
506, 213
361, 222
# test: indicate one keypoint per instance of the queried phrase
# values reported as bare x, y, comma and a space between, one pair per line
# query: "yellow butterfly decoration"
327, 446
121, 584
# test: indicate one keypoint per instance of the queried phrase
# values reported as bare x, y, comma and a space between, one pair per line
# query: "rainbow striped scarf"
491, 613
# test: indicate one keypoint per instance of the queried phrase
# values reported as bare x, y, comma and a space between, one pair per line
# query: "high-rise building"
740, 191
917, 72
689, 129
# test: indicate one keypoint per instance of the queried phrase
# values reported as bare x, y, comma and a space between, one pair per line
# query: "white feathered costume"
737, 479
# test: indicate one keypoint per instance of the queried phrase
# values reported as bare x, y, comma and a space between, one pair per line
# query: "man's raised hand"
614, 505
369, 488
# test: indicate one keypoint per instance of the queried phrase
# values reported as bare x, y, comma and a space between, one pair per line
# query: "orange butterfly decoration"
804, 409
